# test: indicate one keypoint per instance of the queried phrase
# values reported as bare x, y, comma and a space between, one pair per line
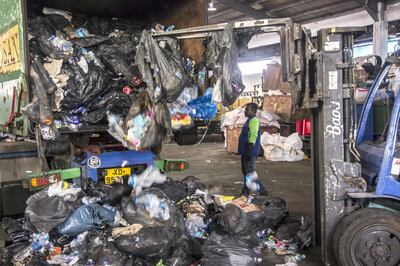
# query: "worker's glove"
249, 150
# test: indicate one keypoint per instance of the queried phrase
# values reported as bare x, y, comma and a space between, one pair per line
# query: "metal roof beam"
269, 11
287, 6
245, 9
371, 6
322, 10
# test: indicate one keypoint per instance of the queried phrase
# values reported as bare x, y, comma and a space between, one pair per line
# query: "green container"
381, 113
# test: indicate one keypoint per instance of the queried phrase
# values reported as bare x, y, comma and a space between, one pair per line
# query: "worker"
249, 146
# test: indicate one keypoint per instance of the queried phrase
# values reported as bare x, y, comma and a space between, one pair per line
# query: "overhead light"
211, 7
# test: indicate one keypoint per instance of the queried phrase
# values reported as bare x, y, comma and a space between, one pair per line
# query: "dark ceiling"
135, 9
299, 10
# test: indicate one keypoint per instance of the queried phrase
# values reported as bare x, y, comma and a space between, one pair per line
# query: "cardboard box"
272, 77
232, 137
280, 105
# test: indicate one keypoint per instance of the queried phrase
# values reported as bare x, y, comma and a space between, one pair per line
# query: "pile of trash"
80, 68
96, 71
150, 220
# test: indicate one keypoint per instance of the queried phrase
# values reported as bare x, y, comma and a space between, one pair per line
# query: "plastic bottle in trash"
81, 33
252, 181
156, 207
91, 57
149, 177
295, 258
89, 200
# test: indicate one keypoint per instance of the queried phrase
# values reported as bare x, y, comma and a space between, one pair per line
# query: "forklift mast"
332, 136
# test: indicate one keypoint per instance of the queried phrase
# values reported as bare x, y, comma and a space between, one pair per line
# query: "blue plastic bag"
85, 218
203, 107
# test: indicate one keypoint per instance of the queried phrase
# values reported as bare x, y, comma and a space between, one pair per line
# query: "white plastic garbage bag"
278, 148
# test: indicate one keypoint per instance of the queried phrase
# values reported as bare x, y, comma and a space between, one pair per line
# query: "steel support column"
380, 37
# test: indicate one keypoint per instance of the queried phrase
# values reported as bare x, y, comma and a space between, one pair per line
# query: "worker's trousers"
249, 166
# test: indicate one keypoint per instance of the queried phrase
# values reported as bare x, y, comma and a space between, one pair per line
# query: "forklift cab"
381, 161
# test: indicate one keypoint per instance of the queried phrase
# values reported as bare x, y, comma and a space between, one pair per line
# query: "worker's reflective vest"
244, 139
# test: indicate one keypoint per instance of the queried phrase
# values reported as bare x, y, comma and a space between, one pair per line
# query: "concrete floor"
288, 180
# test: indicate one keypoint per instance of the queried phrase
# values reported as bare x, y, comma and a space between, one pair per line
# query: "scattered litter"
243, 203
126, 231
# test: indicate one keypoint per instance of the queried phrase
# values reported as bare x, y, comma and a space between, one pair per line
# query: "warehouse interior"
203, 132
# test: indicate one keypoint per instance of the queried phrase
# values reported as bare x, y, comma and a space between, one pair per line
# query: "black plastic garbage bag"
41, 28
114, 101
15, 232
107, 254
148, 242
109, 194
89, 41
233, 221
45, 80
135, 214
59, 239
105, 26
49, 49
192, 184
222, 57
160, 67
84, 87
85, 218
58, 21
38, 260
224, 250
120, 46
295, 230
119, 62
12, 249
185, 252
45, 213
273, 212
17, 239
40, 90
174, 190
139, 261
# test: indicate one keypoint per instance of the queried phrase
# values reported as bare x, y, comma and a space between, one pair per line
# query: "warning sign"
10, 58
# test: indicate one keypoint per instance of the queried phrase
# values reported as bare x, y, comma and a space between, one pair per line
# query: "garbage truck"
29, 29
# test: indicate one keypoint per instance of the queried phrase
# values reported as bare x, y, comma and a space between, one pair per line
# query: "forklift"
356, 193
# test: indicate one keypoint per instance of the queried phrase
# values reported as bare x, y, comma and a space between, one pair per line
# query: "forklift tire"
369, 236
